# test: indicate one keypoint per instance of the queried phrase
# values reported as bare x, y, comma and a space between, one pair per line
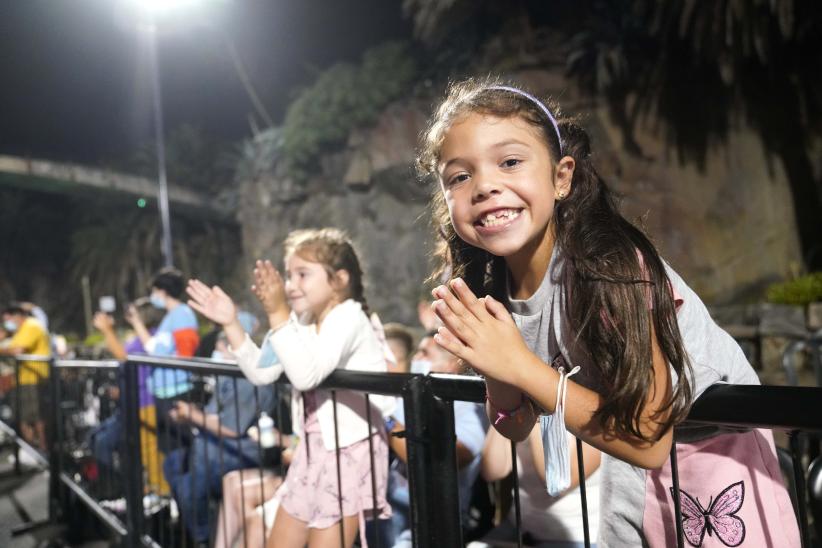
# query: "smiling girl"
319, 323
550, 281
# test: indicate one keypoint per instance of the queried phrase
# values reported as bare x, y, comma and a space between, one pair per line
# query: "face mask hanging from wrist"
555, 440
268, 358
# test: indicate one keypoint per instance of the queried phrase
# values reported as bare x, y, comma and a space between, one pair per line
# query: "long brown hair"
333, 249
615, 298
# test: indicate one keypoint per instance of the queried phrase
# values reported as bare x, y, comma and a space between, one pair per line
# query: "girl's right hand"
103, 321
211, 302
269, 287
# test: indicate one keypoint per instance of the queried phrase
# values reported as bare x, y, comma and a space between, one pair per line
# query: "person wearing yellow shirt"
29, 337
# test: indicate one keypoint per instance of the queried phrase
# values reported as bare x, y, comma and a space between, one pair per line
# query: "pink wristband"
503, 414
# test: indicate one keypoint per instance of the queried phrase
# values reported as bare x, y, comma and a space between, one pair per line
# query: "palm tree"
697, 69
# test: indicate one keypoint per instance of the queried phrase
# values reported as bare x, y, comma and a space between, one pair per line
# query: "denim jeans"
107, 439
195, 475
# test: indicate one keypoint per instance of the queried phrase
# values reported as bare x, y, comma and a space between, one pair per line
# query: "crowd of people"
578, 326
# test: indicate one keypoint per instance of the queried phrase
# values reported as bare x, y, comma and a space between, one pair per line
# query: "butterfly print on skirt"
719, 518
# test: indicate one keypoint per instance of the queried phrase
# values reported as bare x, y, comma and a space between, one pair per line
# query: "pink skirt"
731, 492
311, 493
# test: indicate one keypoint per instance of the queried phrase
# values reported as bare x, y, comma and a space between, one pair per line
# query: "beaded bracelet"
516, 412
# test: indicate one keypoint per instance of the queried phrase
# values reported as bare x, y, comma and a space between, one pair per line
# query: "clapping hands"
269, 288
211, 302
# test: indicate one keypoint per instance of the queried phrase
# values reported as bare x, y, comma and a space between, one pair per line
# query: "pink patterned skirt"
311, 493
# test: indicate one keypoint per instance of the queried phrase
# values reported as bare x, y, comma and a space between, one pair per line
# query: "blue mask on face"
10, 326
157, 301
422, 367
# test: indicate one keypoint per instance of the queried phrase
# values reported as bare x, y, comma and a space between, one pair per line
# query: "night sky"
75, 83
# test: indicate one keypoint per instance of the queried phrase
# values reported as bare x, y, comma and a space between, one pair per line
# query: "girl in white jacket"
319, 323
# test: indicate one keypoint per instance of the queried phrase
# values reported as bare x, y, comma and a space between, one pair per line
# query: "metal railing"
430, 437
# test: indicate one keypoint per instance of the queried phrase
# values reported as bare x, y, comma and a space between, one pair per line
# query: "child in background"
567, 286
401, 342
319, 323
546, 521
143, 312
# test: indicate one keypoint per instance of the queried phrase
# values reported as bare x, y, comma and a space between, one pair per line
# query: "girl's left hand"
479, 331
269, 288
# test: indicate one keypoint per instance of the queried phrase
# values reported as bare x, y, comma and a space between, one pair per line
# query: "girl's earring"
560, 195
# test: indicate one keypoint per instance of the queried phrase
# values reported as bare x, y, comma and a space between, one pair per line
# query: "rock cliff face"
727, 229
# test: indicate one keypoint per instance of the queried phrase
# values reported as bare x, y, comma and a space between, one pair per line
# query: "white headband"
536, 102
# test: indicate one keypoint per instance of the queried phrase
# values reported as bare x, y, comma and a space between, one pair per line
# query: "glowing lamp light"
160, 6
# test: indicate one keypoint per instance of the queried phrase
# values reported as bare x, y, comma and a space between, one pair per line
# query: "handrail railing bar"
24, 445
31, 358
87, 364
188, 364
109, 520
149, 542
775, 407
754, 406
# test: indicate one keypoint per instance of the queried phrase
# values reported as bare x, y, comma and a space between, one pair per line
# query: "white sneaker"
115, 505
153, 503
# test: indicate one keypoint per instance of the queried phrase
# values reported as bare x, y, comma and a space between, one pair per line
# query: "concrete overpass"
54, 177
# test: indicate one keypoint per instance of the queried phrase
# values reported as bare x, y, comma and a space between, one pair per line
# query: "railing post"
132, 459
18, 425
680, 538
432, 467
795, 441
54, 442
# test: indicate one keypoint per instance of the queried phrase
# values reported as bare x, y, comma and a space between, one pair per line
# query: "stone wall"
728, 229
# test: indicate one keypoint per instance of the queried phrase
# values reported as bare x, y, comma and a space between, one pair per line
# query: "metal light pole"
159, 139
151, 12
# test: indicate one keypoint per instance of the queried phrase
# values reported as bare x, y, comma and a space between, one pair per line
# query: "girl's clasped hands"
480, 331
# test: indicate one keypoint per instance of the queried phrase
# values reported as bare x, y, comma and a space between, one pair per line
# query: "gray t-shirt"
714, 355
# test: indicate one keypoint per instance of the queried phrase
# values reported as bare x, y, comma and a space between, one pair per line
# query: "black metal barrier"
36, 450
430, 436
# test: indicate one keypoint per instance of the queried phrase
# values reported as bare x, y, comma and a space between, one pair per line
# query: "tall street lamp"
160, 146
150, 10
149, 13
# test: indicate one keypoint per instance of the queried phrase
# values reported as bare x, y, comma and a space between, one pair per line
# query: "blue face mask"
157, 301
423, 367
555, 441
10, 326
268, 358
